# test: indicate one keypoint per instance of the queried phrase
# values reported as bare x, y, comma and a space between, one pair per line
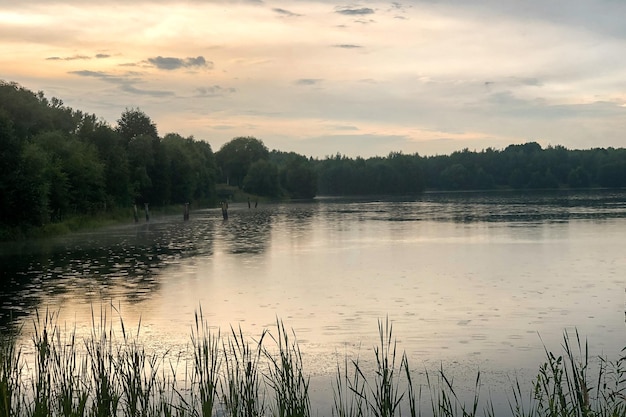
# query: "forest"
57, 162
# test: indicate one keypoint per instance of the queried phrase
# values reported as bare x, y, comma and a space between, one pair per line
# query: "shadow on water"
247, 230
488, 206
122, 262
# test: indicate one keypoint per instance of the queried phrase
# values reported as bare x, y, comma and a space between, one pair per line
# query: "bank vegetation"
111, 373
58, 164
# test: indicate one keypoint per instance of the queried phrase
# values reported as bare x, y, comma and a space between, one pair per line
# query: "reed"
380, 394
564, 385
10, 376
242, 390
286, 376
207, 364
112, 374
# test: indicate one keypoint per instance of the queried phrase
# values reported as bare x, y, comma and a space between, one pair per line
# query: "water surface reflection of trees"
122, 263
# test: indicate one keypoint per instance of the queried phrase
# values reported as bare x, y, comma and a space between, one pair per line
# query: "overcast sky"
322, 77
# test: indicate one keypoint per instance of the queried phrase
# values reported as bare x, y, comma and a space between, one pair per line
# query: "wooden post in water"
186, 212
145, 206
135, 215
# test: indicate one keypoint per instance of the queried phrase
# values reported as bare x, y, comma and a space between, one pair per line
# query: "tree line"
525, 166
58, 162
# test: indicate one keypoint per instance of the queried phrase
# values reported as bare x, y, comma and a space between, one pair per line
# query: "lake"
470, 281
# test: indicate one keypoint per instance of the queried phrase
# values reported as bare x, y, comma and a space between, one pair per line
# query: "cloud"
68, 58
114, 79
125, 83
347, 46
285, 13
355, 12
171, 63
87, 73
129, 88
308, 81
76, 57
214, 91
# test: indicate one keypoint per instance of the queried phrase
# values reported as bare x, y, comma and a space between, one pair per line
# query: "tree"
76, 174
140, 160
235, 158
578, 178
134, 123
10, 155
299, 178
182, 175
113, 154
32, 196
262, 179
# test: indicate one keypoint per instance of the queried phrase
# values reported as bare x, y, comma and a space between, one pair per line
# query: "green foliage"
525, 166
76, 174
134, 123
235, 158
58, 163
395, 174
297, 174
262, 179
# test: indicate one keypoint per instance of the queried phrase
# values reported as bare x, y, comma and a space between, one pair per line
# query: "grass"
110, 373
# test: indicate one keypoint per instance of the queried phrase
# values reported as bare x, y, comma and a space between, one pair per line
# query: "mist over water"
469, 280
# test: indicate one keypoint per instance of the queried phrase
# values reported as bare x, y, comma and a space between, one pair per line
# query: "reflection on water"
468, 279
117, 263
249, 232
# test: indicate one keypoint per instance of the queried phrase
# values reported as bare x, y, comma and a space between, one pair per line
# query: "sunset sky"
322, 77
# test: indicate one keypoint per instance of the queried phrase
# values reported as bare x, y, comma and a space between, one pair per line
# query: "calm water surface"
470, 281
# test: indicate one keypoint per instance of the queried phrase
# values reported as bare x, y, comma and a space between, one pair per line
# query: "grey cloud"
355, 12
308, 81
167, 63
399, 8
344, 127
600, 16
129, 88
513, 82
125, 83
507, 104
68, 58
114, 79
347, 46
87, 73
171, 63
286, 13
214, 91
531, 81
76, 57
